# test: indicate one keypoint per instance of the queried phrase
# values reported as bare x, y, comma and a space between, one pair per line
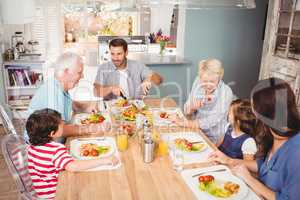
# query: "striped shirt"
44, 164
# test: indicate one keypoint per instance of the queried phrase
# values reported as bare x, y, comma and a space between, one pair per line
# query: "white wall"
161, 16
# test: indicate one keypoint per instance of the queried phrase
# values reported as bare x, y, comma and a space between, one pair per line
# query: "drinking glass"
162, 148
178, 160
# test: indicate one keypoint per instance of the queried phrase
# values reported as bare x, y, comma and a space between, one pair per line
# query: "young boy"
47, 158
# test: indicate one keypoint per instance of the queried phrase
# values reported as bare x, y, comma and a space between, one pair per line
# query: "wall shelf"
21, 80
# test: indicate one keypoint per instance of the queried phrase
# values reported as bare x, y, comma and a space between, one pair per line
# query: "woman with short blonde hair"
209, 101
211, 66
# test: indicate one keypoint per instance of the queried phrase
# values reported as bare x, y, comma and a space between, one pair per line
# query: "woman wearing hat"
277, 163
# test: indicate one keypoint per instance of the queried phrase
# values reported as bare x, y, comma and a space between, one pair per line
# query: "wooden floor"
8, 189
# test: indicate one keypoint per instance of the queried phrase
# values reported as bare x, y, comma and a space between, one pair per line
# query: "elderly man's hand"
100, 129
92, 107
146, 85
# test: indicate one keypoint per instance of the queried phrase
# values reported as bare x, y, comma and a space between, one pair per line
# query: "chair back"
7, 123
14, 149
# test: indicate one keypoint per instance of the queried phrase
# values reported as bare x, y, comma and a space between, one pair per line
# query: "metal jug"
148, 150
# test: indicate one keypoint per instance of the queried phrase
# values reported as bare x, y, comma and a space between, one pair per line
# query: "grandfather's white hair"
67, 60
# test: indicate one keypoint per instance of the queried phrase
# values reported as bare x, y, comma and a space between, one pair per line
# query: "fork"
198, 142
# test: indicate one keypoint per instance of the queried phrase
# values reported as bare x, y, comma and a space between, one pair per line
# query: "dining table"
134, 179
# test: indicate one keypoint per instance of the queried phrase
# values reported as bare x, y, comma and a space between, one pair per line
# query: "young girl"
238, 141
47, 158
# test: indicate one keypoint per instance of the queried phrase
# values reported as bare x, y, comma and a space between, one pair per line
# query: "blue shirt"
232, 147
51, 95
212, 116
282, 172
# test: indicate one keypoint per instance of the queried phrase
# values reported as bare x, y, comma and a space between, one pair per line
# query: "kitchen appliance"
19, 49
17, 43
32, 46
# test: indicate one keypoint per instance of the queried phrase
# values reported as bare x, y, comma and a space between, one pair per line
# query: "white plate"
76, 143
193, 184
138, 103
81, 116
162, 121
191, 137
189, 158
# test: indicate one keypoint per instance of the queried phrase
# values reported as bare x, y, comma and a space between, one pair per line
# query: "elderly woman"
209, 101
277, 164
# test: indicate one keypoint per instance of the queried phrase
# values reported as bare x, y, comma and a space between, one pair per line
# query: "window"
73, 25
47, 28
83, 22
288, 32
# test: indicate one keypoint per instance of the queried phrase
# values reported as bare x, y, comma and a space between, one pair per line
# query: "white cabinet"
21, 80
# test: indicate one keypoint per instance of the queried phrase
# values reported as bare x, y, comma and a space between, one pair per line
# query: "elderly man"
68, 70
209, 101
123, 77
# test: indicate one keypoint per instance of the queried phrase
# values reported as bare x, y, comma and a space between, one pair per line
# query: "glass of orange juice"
120, 135
122, 141
162, 148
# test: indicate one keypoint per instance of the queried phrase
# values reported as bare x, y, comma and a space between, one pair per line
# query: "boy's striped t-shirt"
44, 164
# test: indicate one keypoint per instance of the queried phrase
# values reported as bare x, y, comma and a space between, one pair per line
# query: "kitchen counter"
156, 59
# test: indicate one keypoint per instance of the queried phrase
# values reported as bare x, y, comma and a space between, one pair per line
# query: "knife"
105, 106
217, 170
122, 95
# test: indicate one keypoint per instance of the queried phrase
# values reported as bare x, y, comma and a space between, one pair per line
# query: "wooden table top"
134, 179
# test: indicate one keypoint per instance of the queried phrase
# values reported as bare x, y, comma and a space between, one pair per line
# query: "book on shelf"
23, 77
20, 100
19, 76
27, 77
9, 79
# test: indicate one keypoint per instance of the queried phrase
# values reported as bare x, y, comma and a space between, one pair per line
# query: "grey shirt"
109, 75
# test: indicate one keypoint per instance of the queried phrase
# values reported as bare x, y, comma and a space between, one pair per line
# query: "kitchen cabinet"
281, 51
